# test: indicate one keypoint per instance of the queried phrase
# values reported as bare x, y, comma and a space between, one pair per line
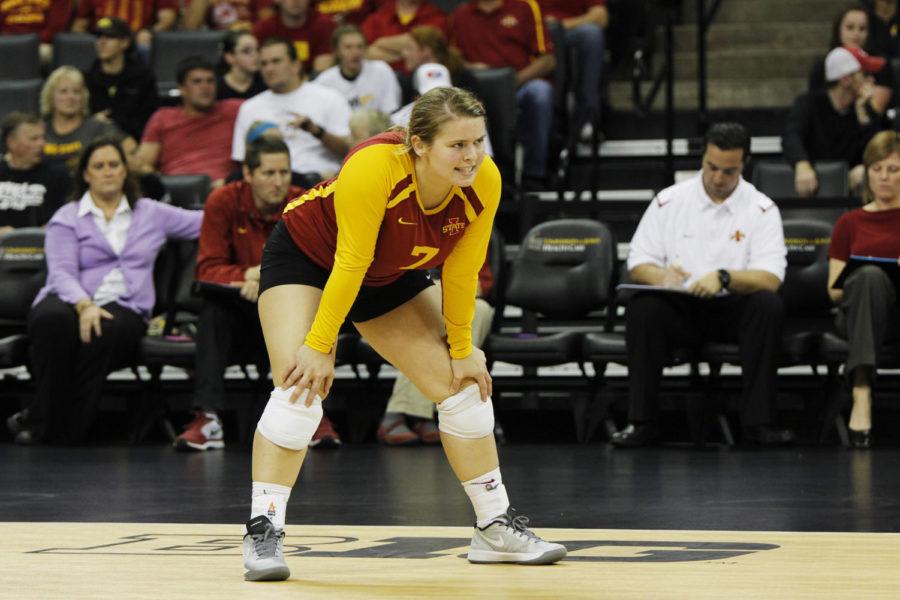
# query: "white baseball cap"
430, 76
846, 60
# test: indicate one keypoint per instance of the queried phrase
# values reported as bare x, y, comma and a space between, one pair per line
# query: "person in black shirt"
120, 85
31, 189
240, 77
851, 27
835, 124
884, 24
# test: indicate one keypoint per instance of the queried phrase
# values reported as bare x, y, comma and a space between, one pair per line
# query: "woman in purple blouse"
91, 314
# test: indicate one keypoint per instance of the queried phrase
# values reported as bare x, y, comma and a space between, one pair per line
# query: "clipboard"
641, 287
888, 265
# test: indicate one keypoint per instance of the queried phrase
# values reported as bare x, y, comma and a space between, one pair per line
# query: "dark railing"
704, 20
665, 78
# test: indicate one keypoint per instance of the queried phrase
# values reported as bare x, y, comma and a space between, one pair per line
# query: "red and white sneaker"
203, 433
325, 435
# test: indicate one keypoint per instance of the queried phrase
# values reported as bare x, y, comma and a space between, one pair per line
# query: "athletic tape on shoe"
289, 425
465, 415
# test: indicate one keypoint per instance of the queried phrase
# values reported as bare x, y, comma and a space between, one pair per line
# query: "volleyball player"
359, 245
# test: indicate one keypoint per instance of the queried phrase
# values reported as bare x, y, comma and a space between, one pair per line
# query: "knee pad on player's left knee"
289, 425
465, 415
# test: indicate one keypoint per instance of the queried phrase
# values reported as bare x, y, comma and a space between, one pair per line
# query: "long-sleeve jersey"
368, 226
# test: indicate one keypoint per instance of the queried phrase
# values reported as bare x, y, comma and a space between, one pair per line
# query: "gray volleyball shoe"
507, 539
264, 551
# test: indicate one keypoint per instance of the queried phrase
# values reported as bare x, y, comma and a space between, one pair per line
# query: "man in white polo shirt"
716, 246
313, 119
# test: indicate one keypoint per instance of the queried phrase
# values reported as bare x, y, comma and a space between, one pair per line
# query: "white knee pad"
289, 425
465, 415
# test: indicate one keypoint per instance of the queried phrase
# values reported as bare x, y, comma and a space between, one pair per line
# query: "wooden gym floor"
373, 522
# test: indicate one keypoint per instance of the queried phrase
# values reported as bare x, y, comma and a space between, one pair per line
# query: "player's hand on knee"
473, 367
313, 371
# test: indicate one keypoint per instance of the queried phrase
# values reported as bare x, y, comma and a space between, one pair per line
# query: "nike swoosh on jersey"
402, 222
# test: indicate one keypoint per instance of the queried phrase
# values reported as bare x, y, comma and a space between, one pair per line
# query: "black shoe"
860, 440
16, 422
25, 438
764, 435
635, 436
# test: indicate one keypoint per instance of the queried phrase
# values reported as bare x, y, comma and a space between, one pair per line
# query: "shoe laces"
266, 543
519, 525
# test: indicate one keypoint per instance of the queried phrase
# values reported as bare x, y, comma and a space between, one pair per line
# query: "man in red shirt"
196, 136
387, 29
237, 220
43, 17
307, 29
144, 17
583, 22
511, 33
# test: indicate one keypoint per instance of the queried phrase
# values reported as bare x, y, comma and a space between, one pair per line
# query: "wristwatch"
724, 279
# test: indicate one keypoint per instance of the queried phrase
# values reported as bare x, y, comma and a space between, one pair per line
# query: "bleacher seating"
776, 179
22, 273
20, 58
19, 95
169, 47
497, 89
563, 270
78, 50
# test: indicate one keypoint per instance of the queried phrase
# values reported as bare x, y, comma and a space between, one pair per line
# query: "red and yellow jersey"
368, 226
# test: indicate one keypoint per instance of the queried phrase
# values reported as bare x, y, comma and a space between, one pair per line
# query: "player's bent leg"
411, 338
283, 433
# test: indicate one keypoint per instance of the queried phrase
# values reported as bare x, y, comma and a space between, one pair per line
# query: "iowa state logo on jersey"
453, 226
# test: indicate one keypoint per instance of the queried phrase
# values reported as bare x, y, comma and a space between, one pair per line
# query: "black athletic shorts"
284, 263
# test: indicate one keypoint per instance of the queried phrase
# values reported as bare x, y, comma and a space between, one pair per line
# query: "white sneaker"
264, 551
507, 539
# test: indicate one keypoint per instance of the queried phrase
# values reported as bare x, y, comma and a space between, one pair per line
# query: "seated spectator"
232, 15
43, 17
121, 87
523, 45
834, 124
346, 11
31, 188
409, 415
584, 23
718, 245
314, 120
851, 29
309, 31
363, 83
196, 136
69, 125
868, 312
428, 44
365, 122
238, 219
387, 29
90, 316
142, 18
240, 52
884, 25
